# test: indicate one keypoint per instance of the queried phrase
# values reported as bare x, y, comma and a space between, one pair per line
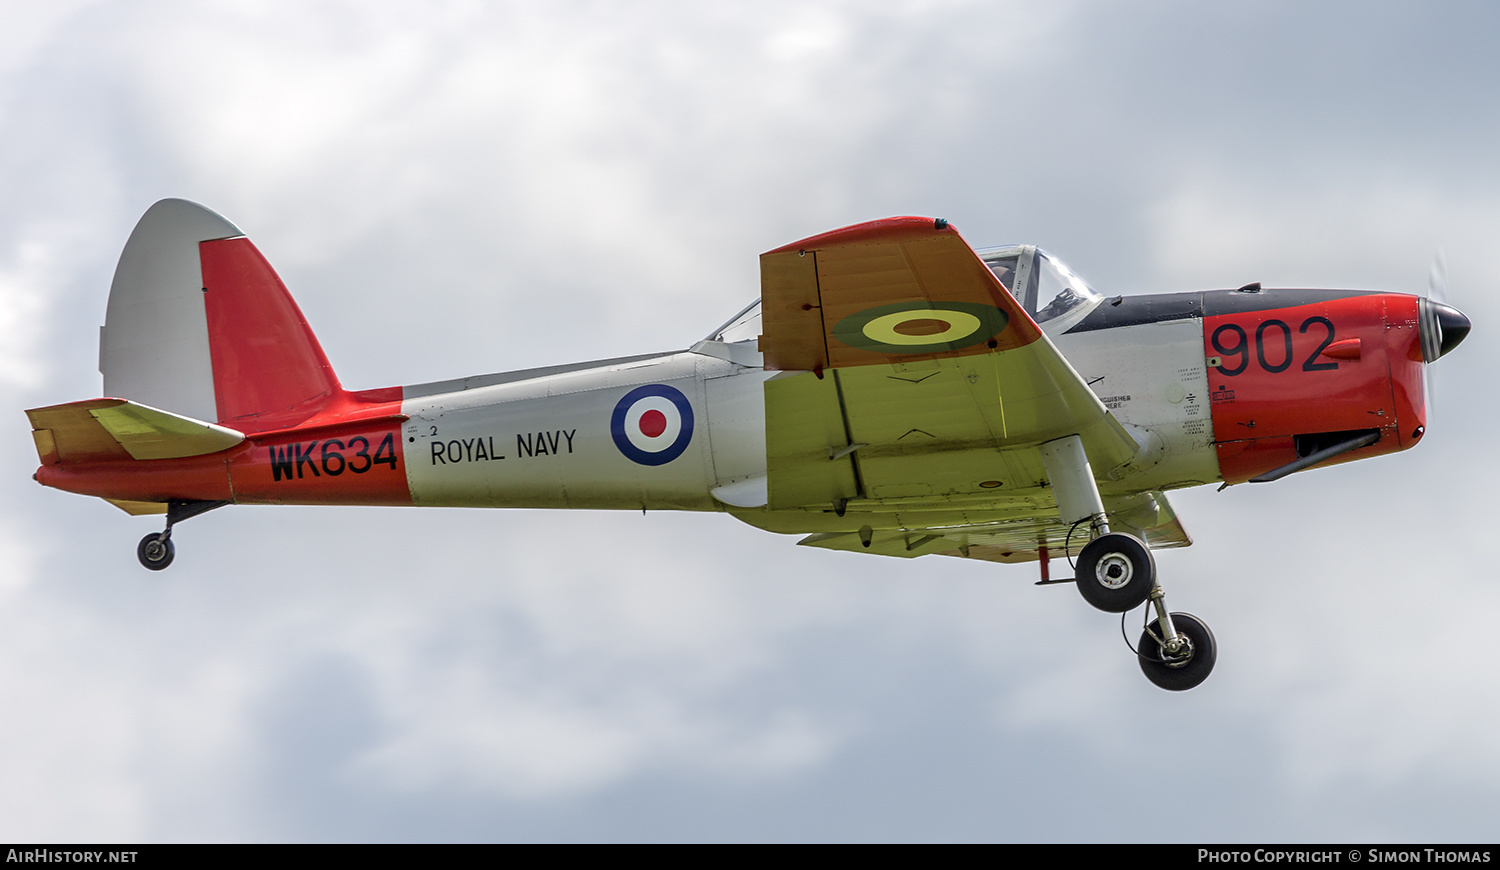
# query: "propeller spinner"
1442, 325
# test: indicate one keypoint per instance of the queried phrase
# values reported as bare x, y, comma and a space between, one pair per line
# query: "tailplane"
199, 325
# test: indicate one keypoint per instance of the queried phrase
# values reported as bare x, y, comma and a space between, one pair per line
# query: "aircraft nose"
1454, 326
1443, 328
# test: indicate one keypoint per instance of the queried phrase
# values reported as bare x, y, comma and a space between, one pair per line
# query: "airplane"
893, 391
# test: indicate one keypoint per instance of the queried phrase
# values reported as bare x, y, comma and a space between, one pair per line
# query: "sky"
455, 188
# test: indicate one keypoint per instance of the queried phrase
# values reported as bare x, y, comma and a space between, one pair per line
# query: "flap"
1148, 516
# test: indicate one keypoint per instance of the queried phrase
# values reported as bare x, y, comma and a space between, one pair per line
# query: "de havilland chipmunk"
892, 392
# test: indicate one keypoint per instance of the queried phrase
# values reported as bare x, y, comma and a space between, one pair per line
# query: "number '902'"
1273, 346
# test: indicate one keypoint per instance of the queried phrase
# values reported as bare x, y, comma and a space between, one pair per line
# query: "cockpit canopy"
744, 326
1051, 293
1043, 284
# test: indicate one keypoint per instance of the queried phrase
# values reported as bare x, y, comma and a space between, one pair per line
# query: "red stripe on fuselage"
349, 453
359, 462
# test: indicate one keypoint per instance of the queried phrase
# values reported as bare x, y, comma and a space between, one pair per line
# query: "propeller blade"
1437, 291
1442, 327
1437, 278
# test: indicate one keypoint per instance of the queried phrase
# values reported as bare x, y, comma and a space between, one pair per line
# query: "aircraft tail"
198, 324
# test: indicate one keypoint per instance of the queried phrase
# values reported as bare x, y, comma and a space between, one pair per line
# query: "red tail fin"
269, 370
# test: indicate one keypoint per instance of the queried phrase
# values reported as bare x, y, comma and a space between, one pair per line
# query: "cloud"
22, 290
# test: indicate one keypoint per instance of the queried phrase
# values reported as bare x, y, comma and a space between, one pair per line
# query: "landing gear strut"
155, 551
1116, 573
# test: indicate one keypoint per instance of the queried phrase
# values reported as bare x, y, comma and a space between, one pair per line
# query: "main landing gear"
155, 551
1116, 573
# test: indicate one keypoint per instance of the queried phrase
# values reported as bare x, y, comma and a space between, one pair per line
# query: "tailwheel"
156, 551
1186, 666
1116, 572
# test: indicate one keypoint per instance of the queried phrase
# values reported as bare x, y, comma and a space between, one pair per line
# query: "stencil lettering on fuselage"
331, 457
454, 451
545, 443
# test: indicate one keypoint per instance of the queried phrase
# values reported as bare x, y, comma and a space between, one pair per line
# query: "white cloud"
27, 277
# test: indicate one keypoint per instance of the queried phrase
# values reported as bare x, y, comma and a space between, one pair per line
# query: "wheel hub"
1113, 571
1176, 658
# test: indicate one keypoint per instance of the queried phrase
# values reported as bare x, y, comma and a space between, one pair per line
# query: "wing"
908, 371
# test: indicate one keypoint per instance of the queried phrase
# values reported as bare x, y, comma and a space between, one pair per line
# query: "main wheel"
1189, 667
155, 553
1116, 572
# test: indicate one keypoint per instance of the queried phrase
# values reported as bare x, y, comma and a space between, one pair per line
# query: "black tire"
1183, 672
1115, 572
153, 554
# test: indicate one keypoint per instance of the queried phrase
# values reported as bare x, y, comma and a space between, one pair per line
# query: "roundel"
653, 424
921, 327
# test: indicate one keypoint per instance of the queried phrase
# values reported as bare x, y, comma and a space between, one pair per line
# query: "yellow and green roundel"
921, 327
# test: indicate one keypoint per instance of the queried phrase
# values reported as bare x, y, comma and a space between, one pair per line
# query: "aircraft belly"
557, 441
1152, 376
